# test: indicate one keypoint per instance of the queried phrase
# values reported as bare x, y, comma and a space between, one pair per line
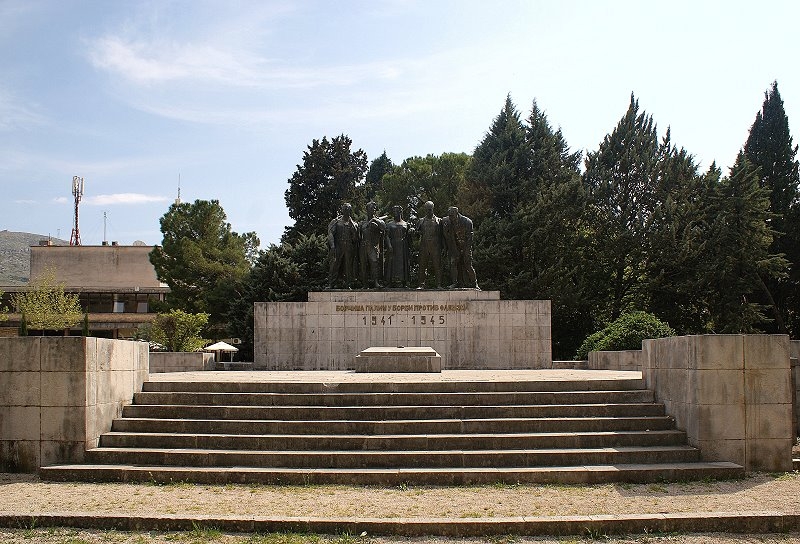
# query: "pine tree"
738, 251
201, 258
374, 179
501, 162
676, 257
621, 179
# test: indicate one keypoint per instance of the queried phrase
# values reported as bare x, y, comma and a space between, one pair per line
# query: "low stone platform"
398, 359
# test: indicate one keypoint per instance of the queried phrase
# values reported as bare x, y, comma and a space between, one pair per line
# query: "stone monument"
457, 230
373, 236
343, 240
429, 228
398, 261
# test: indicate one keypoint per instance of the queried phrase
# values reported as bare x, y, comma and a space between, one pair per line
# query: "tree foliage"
46, 307
625, 333
330, 174
642, 228
419, 179
282, 273
3, 309
769, 147
621, 179
374, 180
738, 251
177, 330
534, 244
201, 259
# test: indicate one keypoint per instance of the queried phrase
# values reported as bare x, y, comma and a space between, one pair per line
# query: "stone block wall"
59, 394
180, 362
469, 329
616, 360
732, 394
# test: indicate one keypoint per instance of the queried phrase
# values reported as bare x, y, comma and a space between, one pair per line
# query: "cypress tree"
769, 147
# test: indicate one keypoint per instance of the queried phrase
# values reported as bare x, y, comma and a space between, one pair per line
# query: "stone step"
409, 426
393, 459
433, 442
231, 366
395, 399
585, 474
389, 386
391, 413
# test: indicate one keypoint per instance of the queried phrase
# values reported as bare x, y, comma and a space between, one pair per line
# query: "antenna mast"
77, 192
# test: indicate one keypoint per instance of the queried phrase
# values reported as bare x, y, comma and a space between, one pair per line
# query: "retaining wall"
171, 361
59, 394
732, 394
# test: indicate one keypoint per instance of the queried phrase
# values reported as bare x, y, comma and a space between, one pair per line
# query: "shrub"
626, 332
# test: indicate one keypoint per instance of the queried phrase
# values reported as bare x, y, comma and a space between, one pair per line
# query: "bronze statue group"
380, 248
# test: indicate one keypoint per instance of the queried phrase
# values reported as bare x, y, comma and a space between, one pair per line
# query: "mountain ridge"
15, 255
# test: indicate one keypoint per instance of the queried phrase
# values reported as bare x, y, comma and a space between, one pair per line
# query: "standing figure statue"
457, 230
342, 243
430, 246
399, 250
373, 234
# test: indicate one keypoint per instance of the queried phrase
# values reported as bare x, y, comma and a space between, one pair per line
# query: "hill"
15, 251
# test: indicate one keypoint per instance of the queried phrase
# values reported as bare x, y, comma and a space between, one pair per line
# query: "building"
117, 285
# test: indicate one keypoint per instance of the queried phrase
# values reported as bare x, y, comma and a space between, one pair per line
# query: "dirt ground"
20, 493
26, 494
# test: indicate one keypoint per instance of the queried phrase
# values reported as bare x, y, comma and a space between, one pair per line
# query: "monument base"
471, 330
399, 359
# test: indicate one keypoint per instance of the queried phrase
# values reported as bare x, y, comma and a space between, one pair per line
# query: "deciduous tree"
46, 307
177, 330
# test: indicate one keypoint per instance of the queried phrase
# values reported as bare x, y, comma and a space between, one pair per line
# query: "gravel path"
26, 494
758, 492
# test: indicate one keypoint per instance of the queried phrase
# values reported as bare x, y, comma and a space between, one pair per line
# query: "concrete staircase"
394, 433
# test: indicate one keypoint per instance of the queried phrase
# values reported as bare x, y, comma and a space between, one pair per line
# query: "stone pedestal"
469, 329
399, 359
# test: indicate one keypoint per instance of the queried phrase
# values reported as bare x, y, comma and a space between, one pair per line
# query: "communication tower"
77, 192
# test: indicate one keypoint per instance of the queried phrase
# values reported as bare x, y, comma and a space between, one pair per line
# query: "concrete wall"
170, 361
616, 360
732, 394
469, 329
59, 394
96, 266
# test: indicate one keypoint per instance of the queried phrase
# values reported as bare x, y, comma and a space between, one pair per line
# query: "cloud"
61, 200
156, 62
123, 198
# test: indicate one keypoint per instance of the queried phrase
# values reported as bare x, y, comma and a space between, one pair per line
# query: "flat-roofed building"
117, 285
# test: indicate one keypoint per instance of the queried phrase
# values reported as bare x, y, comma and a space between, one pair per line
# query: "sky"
223, 97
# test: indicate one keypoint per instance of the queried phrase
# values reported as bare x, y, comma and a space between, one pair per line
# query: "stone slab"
398, 359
